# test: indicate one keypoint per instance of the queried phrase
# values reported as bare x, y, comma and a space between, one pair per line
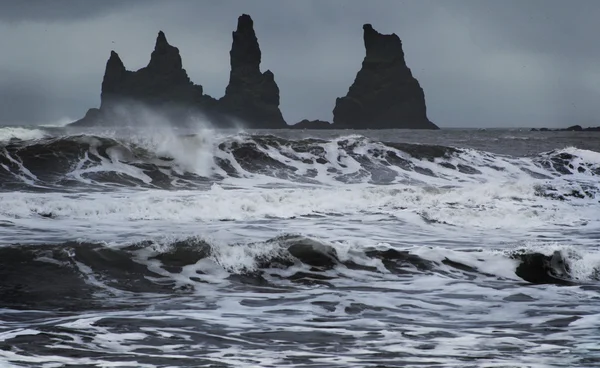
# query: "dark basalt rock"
162, 82
538, 268
92, 117
574, 128
384, 95
162, 85
312, 124
314, 253
251, 96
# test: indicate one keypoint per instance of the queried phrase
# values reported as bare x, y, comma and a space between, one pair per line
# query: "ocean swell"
195, 162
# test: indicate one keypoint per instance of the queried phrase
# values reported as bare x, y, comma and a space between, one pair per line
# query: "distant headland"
384, 95
574, 128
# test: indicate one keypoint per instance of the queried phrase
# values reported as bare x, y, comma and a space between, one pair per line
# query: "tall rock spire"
245, 51
384, 95
251, 96
114, 75
165, 58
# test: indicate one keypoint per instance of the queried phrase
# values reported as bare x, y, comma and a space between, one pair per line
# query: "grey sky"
482, 63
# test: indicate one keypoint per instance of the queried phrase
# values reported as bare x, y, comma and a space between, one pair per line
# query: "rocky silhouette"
384, 95
163, 85
312, 124
251, 98
163, 81
251, 95
574, 128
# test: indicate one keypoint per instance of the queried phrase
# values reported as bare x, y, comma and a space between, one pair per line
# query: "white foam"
8, 133
7, 335
59, 123
440, 316
23, 173
111, 164
192, 153
486, 206
586, 156
484, 261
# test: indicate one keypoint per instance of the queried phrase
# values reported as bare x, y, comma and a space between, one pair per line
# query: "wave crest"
171, 161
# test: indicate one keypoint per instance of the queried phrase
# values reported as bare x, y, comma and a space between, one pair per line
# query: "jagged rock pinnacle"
384, 95
245, 51
250, 95
164, 58
114, 74
161, 41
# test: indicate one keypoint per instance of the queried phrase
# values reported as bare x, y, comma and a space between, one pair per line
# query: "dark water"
164, 248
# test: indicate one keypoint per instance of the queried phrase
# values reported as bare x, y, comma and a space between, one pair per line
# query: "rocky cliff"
384, 95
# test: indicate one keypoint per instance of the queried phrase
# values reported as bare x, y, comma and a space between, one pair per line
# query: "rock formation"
251, 99
162, 85
384, 95
574, 128
251, 96
163, 81
312, 124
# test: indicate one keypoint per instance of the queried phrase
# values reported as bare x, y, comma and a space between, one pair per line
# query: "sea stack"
162, 81
162, 85
384, 95
251, 96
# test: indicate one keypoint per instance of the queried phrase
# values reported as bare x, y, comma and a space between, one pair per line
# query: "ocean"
162, 247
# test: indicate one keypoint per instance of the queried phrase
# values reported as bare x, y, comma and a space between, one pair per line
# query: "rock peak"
384, 95
165, 58
114, 61
163, 81
250, 94
245, 22
245, 51
161, 41
381, 47
114, 74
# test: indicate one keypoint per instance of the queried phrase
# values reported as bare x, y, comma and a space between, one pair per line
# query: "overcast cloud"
481, 63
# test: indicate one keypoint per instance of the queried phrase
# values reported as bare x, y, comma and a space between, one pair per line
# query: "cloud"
481, 63
60, 10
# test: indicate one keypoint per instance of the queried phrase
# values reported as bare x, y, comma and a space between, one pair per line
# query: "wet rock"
313, 253
538, 268
312, 124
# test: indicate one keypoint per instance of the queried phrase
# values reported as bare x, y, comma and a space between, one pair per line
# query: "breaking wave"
156, 249
169, 161
44, 276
